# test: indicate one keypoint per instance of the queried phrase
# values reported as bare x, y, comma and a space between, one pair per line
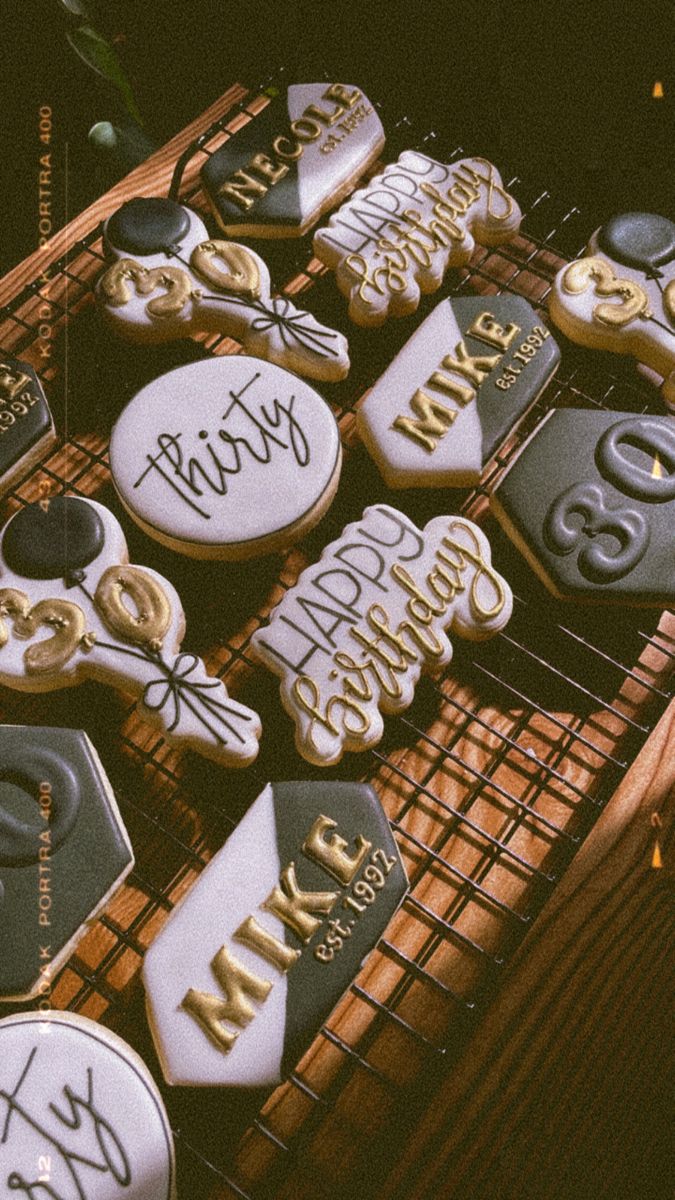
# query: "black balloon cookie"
351, 638
253, 961
590, 502
170, 279
394, 239
26, 425
72, 607
460, 384
297, 158
621, 297
226, 458
80, 1113
64, 852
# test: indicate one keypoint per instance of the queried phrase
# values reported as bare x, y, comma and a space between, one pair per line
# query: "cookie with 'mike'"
590, 502
296, 159
255, 958
227, 458
26, 425
621, 297
64, 852
80, 1113
170, 280
460, 384
394, 239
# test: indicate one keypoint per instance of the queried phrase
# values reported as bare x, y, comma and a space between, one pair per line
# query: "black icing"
314, 987
642, 240
25, 418
147, 225
52, 541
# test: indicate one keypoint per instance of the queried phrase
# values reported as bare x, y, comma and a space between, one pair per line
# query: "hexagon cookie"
590, 502
64, 851
26, 425
253, 961
460, 384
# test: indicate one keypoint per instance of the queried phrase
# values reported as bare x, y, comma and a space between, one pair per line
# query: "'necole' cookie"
64, 852
622, 296
351, 638
64, 572
460, 384
395, 238
80, 1114
170, 279
26, 425
590, 502
226, 458
297, 158
253, 961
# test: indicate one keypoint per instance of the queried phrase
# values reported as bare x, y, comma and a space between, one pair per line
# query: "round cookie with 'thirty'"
228, 458
80, 1112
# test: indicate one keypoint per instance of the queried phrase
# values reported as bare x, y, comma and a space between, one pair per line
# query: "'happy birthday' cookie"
297, 158
590, 502
255, 958
621, 297
80, 1113
226, 458
26, 425
170, 279
460, 384
351, 638
64, 573
395, 238
64, 852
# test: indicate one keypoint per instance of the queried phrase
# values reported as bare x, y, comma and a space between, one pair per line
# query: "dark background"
559, 91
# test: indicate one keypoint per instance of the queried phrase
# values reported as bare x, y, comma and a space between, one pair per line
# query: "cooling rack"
491, 780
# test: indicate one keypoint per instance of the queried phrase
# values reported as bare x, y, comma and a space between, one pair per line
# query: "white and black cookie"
26, 425
590, 502
226, 458
80, 1113
254, 960
58, 869
394, 239
351, 638
72, 607
299, 157
170, 279
621, 297
458, 387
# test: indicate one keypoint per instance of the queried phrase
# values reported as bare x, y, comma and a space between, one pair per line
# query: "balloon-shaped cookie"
73, 607
170, 279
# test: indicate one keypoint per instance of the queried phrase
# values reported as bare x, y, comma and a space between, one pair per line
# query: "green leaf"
98, 54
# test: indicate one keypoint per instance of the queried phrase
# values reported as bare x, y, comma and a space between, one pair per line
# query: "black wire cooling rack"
491, 780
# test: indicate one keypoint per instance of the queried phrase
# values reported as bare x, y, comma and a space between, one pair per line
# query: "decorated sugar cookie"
226, 458
351, 638
395, 238
297, 158
456, 389
590, 502
80, 1113
26, 425
72, 607
170, 279
621, 297
253, 961
64, 852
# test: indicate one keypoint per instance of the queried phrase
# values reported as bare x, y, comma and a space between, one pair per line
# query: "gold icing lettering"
487, 329
432, 421
295, 908
331, 854
265, 167
251, 934
473, 367
483, 571
583, 273
339, 93
243, 190
237, 984
152, 618
12, 382
242, 276
65, 618
176, 282
279, 146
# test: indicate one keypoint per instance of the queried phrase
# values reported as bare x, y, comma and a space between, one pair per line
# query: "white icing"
404, 462
380, 280
109, 660
230, 889
321, 354
314, 626
112, 1116
276, 440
